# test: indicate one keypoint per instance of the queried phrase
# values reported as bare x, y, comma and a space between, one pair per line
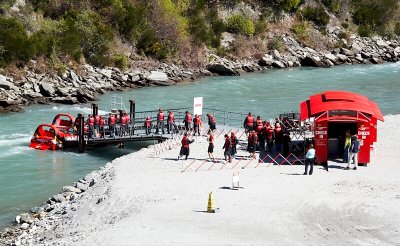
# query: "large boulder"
266, 61
25, 218
381, 43
356, 48
58, 198
221, 69
278, 64
106, 72
46, 89
71, 189
310, 61
157, 76
346, 52
74, 77
65, 100
330, 57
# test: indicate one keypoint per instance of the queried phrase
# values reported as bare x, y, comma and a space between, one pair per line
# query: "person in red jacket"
197, 124
212, 123
147, 125
188, 121
234, 142
111, 124
252, 144
228, 148
185, 146
249, 123
171, 127
92, 130
160, 121
270, 137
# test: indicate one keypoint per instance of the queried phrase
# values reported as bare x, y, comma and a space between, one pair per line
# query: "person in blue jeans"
310, 157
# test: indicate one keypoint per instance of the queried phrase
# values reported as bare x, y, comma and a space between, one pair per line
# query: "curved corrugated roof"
338, 100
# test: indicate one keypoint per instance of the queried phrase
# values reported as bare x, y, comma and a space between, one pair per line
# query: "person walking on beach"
147, 125
248, 123
353, 152
197, 124
211, 146
160, 121
234, 142
228, 148
310, 157
185, 146
171, 122
188, 121
347, 143
211, 122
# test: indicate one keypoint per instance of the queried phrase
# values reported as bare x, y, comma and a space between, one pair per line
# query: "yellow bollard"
210, 207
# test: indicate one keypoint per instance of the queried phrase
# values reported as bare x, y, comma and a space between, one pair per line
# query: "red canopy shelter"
335, 112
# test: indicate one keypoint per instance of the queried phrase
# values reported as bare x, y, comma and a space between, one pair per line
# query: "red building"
335, 112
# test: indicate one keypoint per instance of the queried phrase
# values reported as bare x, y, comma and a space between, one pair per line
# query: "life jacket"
227, 143
185, 142
259, 125
148, 122
278, 131
196, 120
102, 121
234, 140
188, 118
250, 120
160, 116
171, 117
211, 118
124, 120
91, 120
97, 119
112, 120
128, 119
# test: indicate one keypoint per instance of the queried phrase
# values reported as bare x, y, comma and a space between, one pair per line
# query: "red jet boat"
58, 135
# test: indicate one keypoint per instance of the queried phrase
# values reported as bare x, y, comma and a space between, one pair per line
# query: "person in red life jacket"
160, 121
259, 125
147, 125
278, 132
91, 121
234, 142
252, 144
197, 124
185, 146
270, 137
171, 127
212, 123
188, 121
124, 122
228, 148
248, 123
111, 124
210, 140
102, 122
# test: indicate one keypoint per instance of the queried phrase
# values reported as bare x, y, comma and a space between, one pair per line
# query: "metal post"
81, 140
94, 109
97, 109
132, 109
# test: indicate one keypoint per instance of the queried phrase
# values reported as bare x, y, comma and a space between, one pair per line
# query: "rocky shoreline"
74, 88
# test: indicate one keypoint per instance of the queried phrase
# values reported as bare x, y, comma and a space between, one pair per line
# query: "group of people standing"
263, 135
98, 124
191, 124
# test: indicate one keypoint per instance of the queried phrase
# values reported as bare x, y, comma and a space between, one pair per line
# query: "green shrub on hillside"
289, 5
333, 5
317, 15
276, 43
120, 61
96, 37
364, 30
344, 35
15, 45
397, 28
374, 16
260, 27
300, 30
239, 24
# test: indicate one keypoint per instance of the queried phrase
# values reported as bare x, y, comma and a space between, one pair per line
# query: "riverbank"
145, 199
74, 87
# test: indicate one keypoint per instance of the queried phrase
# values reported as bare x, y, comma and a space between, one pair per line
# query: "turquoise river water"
28, 177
